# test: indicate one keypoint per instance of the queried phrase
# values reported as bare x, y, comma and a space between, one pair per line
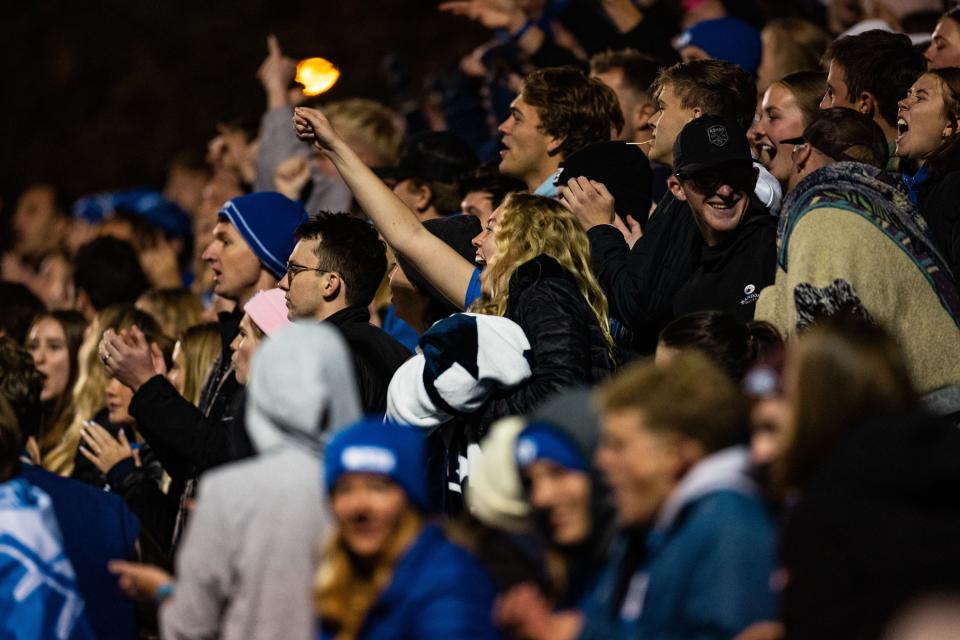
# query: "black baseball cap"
845, 134
439, 156
707, 142
622, 168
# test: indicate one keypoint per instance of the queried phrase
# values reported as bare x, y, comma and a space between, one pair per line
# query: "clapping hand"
101, 448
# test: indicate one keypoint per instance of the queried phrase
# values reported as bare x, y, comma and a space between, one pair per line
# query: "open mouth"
902, 127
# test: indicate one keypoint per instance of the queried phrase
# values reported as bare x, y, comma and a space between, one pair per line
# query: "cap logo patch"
369, 459
526, 451
749, 289
717, 135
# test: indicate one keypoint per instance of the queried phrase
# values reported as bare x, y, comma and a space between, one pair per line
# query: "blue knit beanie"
727, 39
266, 220
372, 446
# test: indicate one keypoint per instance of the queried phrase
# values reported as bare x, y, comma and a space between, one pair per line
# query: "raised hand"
276, 73
589, 201
493, 14
101, 448
631, 230
130, 358
292, 176
313, 126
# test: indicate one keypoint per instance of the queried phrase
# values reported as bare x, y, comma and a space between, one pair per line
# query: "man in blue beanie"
251, 243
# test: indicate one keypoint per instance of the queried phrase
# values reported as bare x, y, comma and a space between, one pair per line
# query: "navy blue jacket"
97, 527
439, 590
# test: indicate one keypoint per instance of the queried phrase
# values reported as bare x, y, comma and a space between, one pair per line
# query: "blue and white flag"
38, 587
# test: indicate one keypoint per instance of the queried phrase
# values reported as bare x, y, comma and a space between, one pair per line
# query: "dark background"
101, 95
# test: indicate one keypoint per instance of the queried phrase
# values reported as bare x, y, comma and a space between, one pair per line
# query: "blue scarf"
914, 182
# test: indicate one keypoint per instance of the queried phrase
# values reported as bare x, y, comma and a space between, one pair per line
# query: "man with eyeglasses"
333, 274
253, 237
715, 176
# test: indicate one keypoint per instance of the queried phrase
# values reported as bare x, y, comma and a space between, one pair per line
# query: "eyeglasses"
708, 181
293, 269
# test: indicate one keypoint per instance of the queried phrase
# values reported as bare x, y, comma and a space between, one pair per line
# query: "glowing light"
317, 75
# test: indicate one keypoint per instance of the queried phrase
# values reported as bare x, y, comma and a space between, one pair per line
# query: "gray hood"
301, 389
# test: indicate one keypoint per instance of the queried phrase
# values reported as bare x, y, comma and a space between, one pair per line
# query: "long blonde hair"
200, 346
344, 593
531, 226
89, 391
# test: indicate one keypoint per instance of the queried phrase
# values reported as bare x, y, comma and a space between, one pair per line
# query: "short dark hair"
351, 247
730, 344
11, 443
572, 106
880, 63
109, 271
18, 310
488, 178
716, 87
639, 69
21, 384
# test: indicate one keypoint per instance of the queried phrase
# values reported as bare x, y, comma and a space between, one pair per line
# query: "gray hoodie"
246, 566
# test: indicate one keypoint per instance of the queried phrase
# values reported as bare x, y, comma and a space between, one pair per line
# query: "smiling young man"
696, 553
714, 175
641, 282
559, 111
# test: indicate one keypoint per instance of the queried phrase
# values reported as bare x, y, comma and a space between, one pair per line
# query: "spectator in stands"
484, 189
944, 49
332, 274
929, 136
850, 239
631, 76
106, 272
790, 45
96, 526
388, 571
870, 73
19, 310
670, 452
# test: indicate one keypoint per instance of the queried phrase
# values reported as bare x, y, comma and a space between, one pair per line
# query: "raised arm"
399, 226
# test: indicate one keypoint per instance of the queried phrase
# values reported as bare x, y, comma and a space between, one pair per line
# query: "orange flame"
317, 75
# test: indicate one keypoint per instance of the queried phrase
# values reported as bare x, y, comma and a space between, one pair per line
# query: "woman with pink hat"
264, 315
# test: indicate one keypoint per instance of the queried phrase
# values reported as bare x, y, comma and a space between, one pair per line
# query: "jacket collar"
725, 470
353, 314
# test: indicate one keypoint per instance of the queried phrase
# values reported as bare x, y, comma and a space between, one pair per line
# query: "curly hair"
581, 110
531, 226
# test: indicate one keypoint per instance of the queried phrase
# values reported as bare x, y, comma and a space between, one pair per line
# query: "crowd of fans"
646, 327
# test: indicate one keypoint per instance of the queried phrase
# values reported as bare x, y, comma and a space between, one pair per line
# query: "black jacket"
566, 345
189, 440
640, 283
730, 275
939, 204
376, 355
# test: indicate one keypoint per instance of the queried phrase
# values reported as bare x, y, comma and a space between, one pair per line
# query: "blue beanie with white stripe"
266, 220
383, 448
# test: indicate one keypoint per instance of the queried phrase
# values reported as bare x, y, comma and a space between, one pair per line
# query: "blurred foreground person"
250, 551
388, 573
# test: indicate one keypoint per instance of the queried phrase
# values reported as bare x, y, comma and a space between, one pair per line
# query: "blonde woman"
88, 394
193, 356
536, 272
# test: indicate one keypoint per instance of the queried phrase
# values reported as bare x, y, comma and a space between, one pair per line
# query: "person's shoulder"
59, 487
450, 564
729, 510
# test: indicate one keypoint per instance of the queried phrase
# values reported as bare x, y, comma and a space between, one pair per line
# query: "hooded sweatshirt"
248, 559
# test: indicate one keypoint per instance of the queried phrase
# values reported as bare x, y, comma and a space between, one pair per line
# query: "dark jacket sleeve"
555, 319
180, 435
640, 283
157, 511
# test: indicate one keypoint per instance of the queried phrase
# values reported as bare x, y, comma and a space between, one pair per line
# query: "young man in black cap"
714, 175
428, 172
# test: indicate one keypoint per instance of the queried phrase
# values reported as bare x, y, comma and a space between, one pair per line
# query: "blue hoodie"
708, 564
438, 591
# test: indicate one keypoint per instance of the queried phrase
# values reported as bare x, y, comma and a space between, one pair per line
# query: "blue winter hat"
543, 441
266, 220
372, 446
727, 39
